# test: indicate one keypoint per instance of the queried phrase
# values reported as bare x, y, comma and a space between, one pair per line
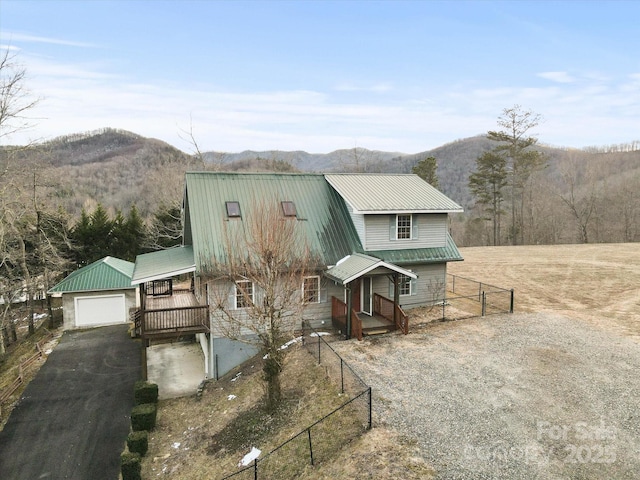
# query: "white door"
100, 310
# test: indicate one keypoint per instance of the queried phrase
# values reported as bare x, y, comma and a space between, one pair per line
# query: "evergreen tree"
487, 184
518, 147
426, 169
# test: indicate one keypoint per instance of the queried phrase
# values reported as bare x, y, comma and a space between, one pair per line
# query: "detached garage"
98, 294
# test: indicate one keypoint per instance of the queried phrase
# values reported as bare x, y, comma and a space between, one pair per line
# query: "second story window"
403, 227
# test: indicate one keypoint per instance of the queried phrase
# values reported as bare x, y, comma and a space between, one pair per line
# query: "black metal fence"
322, 439
467, 298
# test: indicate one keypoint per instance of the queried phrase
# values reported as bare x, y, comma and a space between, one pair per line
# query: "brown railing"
339, 318
159, 287
7, 392
384, 307
172, 320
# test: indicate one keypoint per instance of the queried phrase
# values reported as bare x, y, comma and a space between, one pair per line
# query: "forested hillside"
595, 189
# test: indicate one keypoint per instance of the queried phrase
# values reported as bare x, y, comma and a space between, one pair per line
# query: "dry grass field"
599, 283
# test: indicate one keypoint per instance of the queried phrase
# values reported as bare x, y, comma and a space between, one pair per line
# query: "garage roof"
163, 264
108, 273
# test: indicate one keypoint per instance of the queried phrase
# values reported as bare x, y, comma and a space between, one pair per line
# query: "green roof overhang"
355, 266
448, 253
163, 264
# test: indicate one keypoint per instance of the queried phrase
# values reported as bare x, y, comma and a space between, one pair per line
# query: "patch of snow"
176, 445
231, 397
236, 377
319, 334
291, 342
48, 351
286, 345
249, 457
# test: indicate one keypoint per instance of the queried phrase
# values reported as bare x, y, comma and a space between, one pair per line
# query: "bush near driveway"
143, 417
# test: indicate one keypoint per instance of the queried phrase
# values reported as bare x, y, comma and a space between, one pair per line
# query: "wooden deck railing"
339, 318
166, 321
384, 307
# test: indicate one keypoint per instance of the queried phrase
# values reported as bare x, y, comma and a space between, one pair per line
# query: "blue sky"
319, 76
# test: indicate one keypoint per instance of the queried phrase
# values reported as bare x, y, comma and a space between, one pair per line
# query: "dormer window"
289, 209
233, 209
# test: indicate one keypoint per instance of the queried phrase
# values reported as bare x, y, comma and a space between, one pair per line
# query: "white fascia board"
394, 212
381, 263
162, 276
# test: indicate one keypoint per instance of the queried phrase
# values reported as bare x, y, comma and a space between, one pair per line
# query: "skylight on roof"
233, 209
289, 209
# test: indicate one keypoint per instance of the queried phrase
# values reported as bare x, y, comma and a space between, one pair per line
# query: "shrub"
130, 466
143, 417
138, 442
145, 392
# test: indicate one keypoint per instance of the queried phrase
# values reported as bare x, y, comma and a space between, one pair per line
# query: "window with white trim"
404, 284
244, 294
311, 289
403, 227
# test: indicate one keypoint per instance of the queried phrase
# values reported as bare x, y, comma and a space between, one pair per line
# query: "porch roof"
354, 266
163, 264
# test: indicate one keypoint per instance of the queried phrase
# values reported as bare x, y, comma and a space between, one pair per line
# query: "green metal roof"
163, 264
384, 193
108, 273
321, 212
357, 265
448, 253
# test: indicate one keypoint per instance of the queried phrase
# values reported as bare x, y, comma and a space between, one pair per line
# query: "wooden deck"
179, 299
173, 315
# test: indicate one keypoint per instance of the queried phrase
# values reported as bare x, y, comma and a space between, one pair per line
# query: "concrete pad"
177, 368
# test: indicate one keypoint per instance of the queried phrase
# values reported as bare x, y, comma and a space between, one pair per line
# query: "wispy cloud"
10, 37
559, 77
382, 87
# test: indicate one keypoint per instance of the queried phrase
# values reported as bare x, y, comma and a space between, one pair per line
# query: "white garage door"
100, 310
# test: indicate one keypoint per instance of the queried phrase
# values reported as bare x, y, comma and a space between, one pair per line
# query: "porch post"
396, 298
349, 308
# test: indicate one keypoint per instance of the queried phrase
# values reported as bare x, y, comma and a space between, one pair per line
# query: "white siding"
428, 287
318, 314
429, 230
358, 222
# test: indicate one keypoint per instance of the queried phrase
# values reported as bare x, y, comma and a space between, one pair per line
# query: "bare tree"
260, 284
15, 99
581, 203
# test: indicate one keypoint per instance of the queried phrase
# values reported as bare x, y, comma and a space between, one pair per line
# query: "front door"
367, 298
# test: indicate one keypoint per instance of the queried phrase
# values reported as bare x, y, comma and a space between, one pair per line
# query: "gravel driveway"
518, 396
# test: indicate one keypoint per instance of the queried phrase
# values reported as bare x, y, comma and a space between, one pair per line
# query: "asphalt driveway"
74, 417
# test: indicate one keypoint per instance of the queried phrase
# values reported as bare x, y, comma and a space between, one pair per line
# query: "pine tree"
487, 184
